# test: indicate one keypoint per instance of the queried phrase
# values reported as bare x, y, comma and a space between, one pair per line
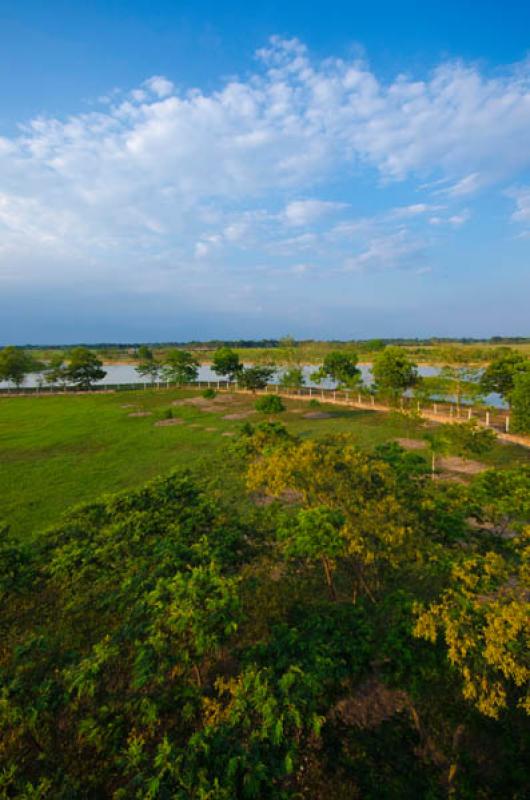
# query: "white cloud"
307, 212
522, 204
160, 175
161, 86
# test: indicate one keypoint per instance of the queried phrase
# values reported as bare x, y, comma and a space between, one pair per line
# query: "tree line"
394, 373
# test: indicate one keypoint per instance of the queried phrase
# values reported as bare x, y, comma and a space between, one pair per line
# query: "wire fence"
441, 410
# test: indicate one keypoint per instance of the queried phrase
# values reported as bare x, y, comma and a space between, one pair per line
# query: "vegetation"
148, 366
255, 378
394, 372
341, 368
15, 364
357, 635
520, 398
180, 367
226, 363
269, 404
292, 378
84, 368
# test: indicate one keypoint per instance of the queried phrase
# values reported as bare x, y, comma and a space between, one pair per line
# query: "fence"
436, 410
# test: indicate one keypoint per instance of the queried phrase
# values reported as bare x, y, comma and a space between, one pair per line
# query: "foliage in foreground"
365, 636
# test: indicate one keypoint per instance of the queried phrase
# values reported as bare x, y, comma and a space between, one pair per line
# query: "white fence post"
487, 419
507, 424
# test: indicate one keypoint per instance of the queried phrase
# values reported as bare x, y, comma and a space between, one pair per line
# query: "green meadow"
59, 451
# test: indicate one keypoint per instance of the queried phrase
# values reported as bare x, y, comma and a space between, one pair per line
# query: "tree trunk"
328, 572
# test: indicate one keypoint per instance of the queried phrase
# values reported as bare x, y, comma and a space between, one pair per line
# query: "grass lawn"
59, 451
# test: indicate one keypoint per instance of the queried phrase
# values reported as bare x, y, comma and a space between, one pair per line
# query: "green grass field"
62, 450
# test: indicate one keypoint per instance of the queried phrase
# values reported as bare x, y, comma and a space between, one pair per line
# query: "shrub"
314, 403
270, 404
209, 394
167, 413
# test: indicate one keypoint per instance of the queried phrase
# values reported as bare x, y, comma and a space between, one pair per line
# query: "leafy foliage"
270, 404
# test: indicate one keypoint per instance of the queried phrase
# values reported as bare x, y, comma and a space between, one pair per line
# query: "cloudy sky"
195, 172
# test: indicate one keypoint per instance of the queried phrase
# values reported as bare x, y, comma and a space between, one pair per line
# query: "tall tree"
15, 364
339, 367
226, 362
84, 368
394, 372
180, 366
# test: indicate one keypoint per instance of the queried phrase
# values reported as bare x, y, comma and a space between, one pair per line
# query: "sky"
181, 171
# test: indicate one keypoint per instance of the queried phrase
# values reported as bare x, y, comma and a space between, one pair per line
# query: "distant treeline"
211, 344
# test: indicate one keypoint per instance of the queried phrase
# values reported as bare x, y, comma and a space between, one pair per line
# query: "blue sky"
177, 171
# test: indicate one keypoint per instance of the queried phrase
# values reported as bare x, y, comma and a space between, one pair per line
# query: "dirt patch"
461, 465
194, 425
240, 415
141, 414
228, 433
210, 430
128, 405
167, 423
412, 444
318, 415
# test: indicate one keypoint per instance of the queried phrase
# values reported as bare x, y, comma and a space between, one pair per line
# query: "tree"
462, 383
226, 362
500, 374
316, 534
270, 404
56, 371
484, 619
15, 364
520, 397
340, 368
147, 366
255, 378
468, 439
84, 368
394, 372
179, 367
292, 378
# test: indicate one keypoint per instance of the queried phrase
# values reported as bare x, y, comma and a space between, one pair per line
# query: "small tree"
84, 368
520, 398
180, 367
292, 378
394, 372
226, 362
15, 364
471, 439
270, 404
255, 378
339, 367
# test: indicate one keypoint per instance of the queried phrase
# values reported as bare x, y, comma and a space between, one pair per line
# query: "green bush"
270, 404
167, 413
209, 394
314, 403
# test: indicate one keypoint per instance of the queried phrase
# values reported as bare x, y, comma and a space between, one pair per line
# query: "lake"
126, 373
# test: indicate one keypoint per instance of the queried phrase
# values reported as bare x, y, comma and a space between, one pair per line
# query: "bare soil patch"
461, 465
228, 433
318, 415
128, 405
412, 444
240, 415
167, 423
141, 414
